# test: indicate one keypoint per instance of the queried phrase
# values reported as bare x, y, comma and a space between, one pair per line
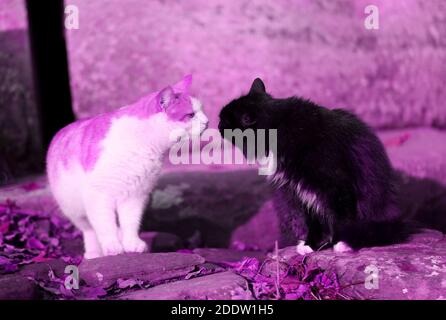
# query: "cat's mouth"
197, 128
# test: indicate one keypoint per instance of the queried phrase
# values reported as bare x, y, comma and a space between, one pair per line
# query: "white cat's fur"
107, 203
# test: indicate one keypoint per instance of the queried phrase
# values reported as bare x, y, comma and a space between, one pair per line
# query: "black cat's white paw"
342, 247
302, 248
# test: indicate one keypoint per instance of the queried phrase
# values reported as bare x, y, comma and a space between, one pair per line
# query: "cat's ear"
184, 85
257, 86
165, 97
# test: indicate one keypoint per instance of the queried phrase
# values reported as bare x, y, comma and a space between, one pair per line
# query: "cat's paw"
342, 247
134, 245
92, 255
112, 248
302, 248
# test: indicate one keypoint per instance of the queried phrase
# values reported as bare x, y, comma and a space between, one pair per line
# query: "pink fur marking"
81, 139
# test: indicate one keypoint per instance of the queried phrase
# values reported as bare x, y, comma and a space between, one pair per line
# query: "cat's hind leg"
72, 207
101, 212
130, 212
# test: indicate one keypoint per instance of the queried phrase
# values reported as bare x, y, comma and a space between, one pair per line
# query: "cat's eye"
247, 120
189, 116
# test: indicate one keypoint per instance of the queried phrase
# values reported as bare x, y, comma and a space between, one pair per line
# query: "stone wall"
320, 49
392, 77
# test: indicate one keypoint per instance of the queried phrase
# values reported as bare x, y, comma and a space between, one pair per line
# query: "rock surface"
219, 286
20, 285
203, 208
17, 287
161, 241
414, 270
151, 267
222, 256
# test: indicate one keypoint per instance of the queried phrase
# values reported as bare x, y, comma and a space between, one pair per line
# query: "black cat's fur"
333, 176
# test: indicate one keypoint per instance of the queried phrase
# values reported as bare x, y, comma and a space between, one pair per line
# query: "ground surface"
415, 270
229, 209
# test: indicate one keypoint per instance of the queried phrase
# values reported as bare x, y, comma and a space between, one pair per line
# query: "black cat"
333, 176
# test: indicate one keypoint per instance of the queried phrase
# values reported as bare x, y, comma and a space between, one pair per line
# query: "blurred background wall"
20, 144
320, 49
393, 77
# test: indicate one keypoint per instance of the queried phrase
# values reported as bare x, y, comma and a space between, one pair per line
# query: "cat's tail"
378, 233
432, 214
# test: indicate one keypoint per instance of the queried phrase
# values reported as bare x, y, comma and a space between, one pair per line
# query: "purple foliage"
56, 288
291, 280
30, 236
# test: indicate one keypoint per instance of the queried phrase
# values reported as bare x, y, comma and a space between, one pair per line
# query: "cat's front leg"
100, 210
130, 212
302, 248
321, 236
333, 237
338, 245
313, 236
316, 238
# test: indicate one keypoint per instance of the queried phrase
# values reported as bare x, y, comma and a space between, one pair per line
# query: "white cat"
101, 170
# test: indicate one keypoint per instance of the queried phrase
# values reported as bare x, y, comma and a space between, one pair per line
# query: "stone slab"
222, 256
219, 286
151, 267
413, 270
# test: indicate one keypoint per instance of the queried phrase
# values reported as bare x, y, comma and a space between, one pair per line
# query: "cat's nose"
221, 125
